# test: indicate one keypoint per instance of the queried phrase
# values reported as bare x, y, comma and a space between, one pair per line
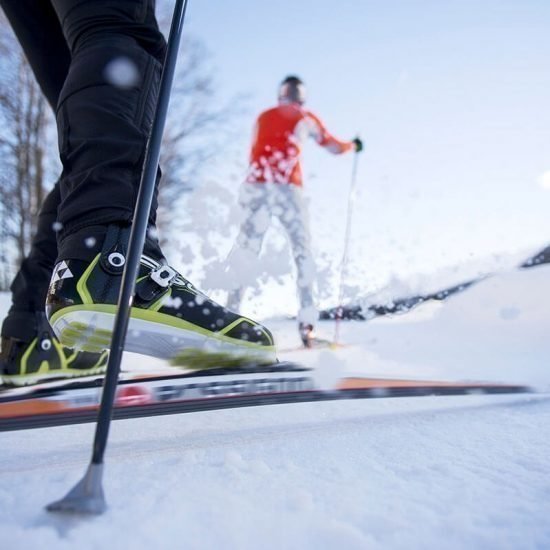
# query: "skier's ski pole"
351, 201
87, 496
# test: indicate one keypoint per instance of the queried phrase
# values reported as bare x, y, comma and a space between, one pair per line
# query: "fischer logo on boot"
61, 271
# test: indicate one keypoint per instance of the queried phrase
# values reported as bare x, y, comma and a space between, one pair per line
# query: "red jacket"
277, 143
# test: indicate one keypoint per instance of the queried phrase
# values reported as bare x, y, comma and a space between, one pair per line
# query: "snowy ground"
430, 472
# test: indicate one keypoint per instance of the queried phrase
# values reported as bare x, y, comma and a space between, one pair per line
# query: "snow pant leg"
255, 203
31, 282
38, 30
292, 214
106, 108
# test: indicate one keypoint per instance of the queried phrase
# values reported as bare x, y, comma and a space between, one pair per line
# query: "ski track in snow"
429, 472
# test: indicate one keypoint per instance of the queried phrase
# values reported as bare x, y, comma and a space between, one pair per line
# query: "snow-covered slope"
498, 329
430, 472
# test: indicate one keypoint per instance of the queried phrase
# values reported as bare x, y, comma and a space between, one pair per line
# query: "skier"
99, 65
274, 188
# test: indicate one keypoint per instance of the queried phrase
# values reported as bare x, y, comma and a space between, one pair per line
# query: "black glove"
358, 145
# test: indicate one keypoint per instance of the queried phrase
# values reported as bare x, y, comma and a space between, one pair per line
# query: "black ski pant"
78, 50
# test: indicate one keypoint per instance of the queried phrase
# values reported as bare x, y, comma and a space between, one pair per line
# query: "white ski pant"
261, 202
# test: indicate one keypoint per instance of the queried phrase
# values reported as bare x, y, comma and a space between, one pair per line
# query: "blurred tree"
24, 119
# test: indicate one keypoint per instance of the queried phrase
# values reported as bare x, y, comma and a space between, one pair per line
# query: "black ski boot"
44, 359
168, 314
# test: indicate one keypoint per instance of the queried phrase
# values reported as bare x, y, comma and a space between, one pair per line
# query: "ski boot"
44, 359
168, 314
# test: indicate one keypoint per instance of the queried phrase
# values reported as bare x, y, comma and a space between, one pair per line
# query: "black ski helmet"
292, 90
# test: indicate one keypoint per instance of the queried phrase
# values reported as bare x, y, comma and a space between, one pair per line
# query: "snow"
429, 472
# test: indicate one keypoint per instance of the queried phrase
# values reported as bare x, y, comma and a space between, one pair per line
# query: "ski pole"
351, 201
87, 495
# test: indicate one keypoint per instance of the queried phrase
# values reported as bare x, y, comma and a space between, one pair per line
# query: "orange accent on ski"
361, 383
30, 407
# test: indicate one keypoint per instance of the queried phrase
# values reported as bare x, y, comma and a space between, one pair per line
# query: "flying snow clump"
122, 72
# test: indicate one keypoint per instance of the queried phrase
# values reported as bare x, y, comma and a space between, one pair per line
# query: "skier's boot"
168, 313
44, 359
306, 334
